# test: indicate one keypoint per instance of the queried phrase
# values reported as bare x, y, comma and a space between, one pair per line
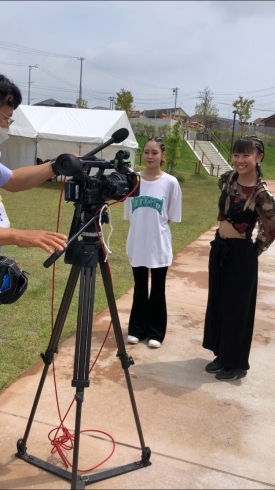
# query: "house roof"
269, 117
259, 120
50, 102
99, 108
158, 112
197, 117
55, 103
225, 119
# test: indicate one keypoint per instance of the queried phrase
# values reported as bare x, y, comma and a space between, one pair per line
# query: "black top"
260, 208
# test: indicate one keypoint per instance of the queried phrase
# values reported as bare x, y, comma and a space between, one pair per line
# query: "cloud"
244, 11
146, 47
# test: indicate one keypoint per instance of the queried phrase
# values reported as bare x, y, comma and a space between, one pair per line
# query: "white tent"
46, 132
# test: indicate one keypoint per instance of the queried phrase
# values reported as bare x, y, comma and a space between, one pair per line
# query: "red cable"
60, 443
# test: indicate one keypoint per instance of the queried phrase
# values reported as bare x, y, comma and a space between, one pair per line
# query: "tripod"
84, 255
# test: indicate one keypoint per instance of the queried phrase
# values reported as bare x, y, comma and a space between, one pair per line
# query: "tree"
172, 147
243, 108
206, 109
124, 101
82, 103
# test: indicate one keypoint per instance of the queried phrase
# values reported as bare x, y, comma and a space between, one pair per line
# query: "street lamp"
233, 129
29, 91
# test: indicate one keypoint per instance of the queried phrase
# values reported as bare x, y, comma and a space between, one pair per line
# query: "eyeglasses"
8, 119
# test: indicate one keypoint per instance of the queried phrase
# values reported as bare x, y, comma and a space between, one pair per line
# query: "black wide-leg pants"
148, 317
230, 313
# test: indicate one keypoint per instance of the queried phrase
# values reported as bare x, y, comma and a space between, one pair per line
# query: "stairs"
213, 162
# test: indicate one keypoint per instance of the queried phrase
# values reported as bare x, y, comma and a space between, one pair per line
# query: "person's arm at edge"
25, 178
47, 240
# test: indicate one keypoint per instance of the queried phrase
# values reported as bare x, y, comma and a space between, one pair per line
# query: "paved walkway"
203, 433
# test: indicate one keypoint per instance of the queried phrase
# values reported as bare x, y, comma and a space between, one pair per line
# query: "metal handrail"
203, 154
212, 168
220, 145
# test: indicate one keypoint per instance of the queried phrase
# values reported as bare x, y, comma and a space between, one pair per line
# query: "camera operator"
21, 179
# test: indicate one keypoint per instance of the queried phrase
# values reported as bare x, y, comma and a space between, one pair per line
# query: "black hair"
158, 140
249, 144
9, 93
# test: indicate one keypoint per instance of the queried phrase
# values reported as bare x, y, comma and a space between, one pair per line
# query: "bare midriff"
226, 230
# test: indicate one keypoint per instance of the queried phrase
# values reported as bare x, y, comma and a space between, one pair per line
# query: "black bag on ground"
13, 281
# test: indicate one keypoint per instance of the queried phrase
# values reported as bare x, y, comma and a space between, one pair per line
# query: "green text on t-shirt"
147, 202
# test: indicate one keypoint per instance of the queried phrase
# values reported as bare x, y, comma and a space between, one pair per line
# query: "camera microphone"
69, 165
117, 137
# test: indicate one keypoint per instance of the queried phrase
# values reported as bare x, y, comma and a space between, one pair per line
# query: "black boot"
229, 374
213, 367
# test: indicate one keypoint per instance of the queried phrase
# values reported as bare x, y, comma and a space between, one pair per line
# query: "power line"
123, 77
23, 49
16, 64
253, 108
38, 52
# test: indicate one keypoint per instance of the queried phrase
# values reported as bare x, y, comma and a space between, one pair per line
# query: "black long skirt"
230, 313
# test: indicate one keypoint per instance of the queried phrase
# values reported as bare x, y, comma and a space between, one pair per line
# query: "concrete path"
203, 433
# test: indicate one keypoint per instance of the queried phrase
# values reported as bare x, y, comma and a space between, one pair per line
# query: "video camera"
86, 189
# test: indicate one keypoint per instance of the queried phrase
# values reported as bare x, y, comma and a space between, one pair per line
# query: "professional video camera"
86, 189
90, 192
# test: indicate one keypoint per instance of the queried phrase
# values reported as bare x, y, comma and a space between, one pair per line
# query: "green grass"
25, 327
268, 165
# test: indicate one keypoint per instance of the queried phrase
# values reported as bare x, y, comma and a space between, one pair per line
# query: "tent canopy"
46, 132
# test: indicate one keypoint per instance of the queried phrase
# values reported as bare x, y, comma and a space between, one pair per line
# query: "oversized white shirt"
5, 175
149, 241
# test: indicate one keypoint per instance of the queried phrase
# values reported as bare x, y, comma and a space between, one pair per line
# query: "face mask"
4, 134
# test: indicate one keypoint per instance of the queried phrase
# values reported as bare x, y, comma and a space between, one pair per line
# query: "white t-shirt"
5, 175
149, 239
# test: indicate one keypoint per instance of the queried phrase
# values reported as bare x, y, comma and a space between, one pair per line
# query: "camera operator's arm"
47, 240
27, 177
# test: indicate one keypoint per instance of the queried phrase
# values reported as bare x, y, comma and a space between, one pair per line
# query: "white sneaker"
154, 343
132, 340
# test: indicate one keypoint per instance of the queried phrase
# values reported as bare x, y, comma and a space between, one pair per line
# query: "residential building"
170, 113
269, 122
54, 103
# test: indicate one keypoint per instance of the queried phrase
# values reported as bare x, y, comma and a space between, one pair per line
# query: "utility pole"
29, 91
233, 130
111, 99
175, 91
80, 82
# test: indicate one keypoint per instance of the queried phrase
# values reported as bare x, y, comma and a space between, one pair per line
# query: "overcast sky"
146, 47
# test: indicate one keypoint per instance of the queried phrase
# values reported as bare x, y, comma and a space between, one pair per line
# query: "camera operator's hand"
47, 240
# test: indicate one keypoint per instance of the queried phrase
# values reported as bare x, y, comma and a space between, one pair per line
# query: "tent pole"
36, 141
35, 151
79, 148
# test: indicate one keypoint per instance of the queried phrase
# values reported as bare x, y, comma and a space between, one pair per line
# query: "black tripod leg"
89, 257
82, 351
51, 350
126, 361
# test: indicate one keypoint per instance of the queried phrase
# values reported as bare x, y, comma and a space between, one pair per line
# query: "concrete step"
213, 162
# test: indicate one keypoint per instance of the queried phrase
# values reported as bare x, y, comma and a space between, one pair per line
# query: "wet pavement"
203, 433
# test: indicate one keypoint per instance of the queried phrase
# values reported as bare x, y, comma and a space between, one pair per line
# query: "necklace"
242, 185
